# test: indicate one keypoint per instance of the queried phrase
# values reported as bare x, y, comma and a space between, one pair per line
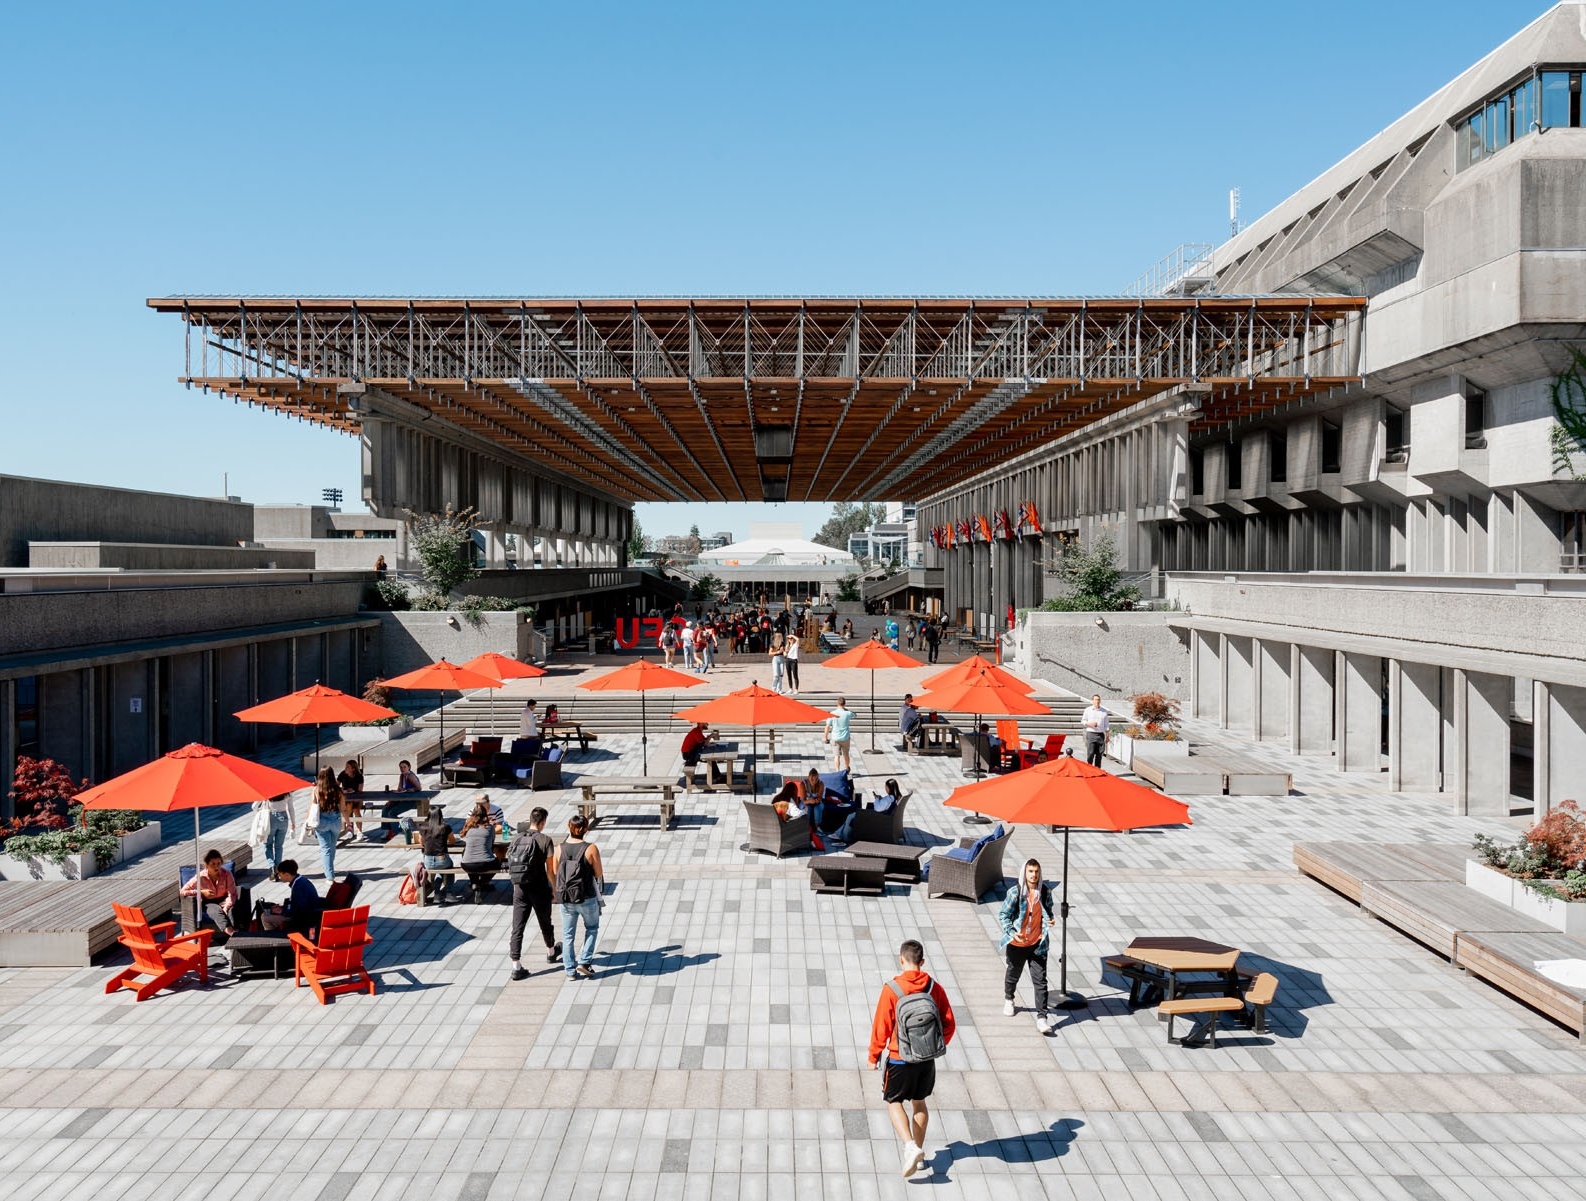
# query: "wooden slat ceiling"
661, 399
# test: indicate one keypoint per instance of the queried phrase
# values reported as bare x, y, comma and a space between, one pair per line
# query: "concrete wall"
57, 511
337, 554
1132, 652
150, 556
409, 641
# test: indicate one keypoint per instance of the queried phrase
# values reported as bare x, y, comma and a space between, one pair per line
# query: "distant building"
339, 541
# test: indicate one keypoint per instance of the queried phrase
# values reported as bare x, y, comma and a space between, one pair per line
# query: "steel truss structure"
768, 399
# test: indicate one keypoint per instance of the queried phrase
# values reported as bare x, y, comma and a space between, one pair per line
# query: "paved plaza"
720, 1052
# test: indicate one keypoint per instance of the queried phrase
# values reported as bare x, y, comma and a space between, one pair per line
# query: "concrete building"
339, 541
1373, 572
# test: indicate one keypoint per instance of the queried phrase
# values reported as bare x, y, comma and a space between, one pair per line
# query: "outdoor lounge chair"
870, 826
1017, 752
968, 878
773, 836
333, 962
973, 745
1053, 747
157, 952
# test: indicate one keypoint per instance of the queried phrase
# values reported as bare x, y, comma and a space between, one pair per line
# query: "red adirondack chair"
334, 963
1016, 749
157, 952
1053, 747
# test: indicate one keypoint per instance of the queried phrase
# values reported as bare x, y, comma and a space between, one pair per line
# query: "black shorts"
908, 1081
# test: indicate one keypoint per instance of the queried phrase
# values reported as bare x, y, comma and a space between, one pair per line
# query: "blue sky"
570, 149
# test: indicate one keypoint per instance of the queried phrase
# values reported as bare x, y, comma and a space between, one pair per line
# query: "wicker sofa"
769, 834
870, 826
969, 878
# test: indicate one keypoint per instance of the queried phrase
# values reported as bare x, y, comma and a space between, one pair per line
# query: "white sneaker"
1043, 1023
1008, 1010
913, 1156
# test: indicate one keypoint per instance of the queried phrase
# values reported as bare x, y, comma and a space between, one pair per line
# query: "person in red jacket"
905, 1081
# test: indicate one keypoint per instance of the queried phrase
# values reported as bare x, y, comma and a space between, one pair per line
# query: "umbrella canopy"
1075, 795
642, 676
872, 655
315, 706
193, 777
972, 668
504, 668
754, 707
982, 693
442, 676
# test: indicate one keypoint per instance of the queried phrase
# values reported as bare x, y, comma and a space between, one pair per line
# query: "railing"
1192, 260
1572, 562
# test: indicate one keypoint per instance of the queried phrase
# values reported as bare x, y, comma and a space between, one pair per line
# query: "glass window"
1197, 473
1235, 467
1524, 99
1470, 145
27, 715
1555, 99
1495, 125
1332, 448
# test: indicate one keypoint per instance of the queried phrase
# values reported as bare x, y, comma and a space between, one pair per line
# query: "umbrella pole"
198, 867
872, 711
644, 734
977, 819
1065, 999
316, 749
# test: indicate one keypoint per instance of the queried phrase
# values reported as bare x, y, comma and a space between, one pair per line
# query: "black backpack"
572, 887
526, 857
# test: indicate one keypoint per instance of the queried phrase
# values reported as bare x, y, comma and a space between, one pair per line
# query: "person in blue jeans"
327, 829
580, 880
279, 819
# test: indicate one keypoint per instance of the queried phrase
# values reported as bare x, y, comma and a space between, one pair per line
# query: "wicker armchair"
870, 826
773, 836
973, 745
969, 878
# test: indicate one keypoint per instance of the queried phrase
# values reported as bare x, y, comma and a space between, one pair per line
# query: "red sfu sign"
631, 629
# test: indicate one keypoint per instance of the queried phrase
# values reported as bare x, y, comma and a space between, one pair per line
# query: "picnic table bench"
568, 732
596, 791
722, 772
936, 738
848, 875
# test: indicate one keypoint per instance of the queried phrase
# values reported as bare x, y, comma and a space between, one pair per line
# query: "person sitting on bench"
479, 850
299, 914
910, 721
695, 743
435, 837
216, 891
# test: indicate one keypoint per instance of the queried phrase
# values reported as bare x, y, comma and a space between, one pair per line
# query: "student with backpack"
529, 868
669, 642
580, 878
911, 1029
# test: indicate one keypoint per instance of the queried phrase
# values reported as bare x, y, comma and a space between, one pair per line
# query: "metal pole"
872, 710
1066, 999
644, 733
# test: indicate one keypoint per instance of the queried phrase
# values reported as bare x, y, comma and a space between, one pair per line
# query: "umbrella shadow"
399, 941
662, 961
1041, 1146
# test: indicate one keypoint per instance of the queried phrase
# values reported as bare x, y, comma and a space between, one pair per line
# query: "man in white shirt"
1095, 722
529, 723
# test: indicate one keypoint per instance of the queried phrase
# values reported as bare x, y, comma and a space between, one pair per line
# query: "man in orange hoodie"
911, 1047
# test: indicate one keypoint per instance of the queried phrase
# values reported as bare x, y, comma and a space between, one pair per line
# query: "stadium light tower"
332, 497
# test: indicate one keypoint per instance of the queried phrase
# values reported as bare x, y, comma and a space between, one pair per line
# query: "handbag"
259, 829
306, 837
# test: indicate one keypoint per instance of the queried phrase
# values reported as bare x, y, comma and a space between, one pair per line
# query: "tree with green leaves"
1568, 437
638, 542
1091, 580
848, 519
443, 544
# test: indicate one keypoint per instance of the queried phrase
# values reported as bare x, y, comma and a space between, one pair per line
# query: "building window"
1197, 460
1572, 541
1278, 462
1398, 449
1475, 419
27, 716
1332, 448
1235, 468
1548, 100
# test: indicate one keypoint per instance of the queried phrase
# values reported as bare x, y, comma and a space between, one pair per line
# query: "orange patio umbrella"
442, 676
504, 668
872, 654
1073, 794
754, 707
315, 705
193, 777
641, 676
982, 691
972, 668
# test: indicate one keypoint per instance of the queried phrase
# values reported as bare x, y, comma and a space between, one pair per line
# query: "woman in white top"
277, 820
778, 661
791, 662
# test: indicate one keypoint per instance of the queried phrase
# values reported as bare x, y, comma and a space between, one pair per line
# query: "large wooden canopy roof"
765, 398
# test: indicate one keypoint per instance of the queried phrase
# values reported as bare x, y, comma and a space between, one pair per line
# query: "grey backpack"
919, 1024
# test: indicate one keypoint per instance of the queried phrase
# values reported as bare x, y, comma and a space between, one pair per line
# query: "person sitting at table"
299, 913
351, 777
216, 890
695, 743
884, 802
993, 747
435, 839
479, 850
407, 778
824, 804
910, 721
351, 781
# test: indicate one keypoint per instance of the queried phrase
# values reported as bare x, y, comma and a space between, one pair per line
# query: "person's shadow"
662, 961
1038, 1147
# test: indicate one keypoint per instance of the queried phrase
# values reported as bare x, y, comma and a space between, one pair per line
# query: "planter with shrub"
1545, 870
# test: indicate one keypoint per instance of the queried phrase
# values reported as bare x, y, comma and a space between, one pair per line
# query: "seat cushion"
967, 854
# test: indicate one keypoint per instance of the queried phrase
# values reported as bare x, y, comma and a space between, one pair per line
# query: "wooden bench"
1262, 992
628, 790
1205, 1008
1508, 962
1175, 774
1244, 776
848, 875
1436, 912
419, 748
50, 923
1346, 867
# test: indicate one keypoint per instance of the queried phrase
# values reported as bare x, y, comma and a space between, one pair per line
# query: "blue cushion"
964, 853
838, 784
998, 832
982, 843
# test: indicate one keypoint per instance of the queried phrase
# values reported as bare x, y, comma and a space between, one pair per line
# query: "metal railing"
1191, 260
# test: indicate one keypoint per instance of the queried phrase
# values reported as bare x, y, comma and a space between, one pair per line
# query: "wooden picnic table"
567, 732
629, 790
722, 772
1168, 959
937, 738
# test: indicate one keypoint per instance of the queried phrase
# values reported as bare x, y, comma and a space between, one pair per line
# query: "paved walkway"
720, 1051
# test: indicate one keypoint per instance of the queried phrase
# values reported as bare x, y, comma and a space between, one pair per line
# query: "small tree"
1091, 579
1568, 436
638, 542
848, 588
707, 587
41, 794
694, 544
444, 546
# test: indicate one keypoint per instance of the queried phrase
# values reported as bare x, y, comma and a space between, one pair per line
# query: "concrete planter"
1491, 883
1123, 746
81, 865
1568, 916
400, 728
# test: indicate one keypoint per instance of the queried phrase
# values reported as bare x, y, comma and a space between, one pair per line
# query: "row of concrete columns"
1447, 729
554, 550
984, 578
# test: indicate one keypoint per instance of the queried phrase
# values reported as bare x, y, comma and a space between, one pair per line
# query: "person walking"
529, 869
1095, 721
911, 1030
1026, 920
910, 631
669, 642
791, 662
778, 655
279, 818
325, 819
839, 726
687, 639
580, 880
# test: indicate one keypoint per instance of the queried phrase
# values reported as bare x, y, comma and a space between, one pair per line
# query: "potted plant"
1544, 872
1156, 720
57, 840
400, 726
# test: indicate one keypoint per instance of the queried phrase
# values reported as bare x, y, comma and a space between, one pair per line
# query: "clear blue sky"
528, 148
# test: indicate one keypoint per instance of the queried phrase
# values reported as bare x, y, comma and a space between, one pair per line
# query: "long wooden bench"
48, 923
1508, 962
1346, 866
1176, 774
419, 748
596, 791
1244, 776
1436, 912
168, 861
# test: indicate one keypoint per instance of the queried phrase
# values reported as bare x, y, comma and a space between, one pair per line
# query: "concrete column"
1206, 674
1310, 700
1272, 663
1239, 685
1559, 714
1415, 718
1481, 742
1357, 696
87, 706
